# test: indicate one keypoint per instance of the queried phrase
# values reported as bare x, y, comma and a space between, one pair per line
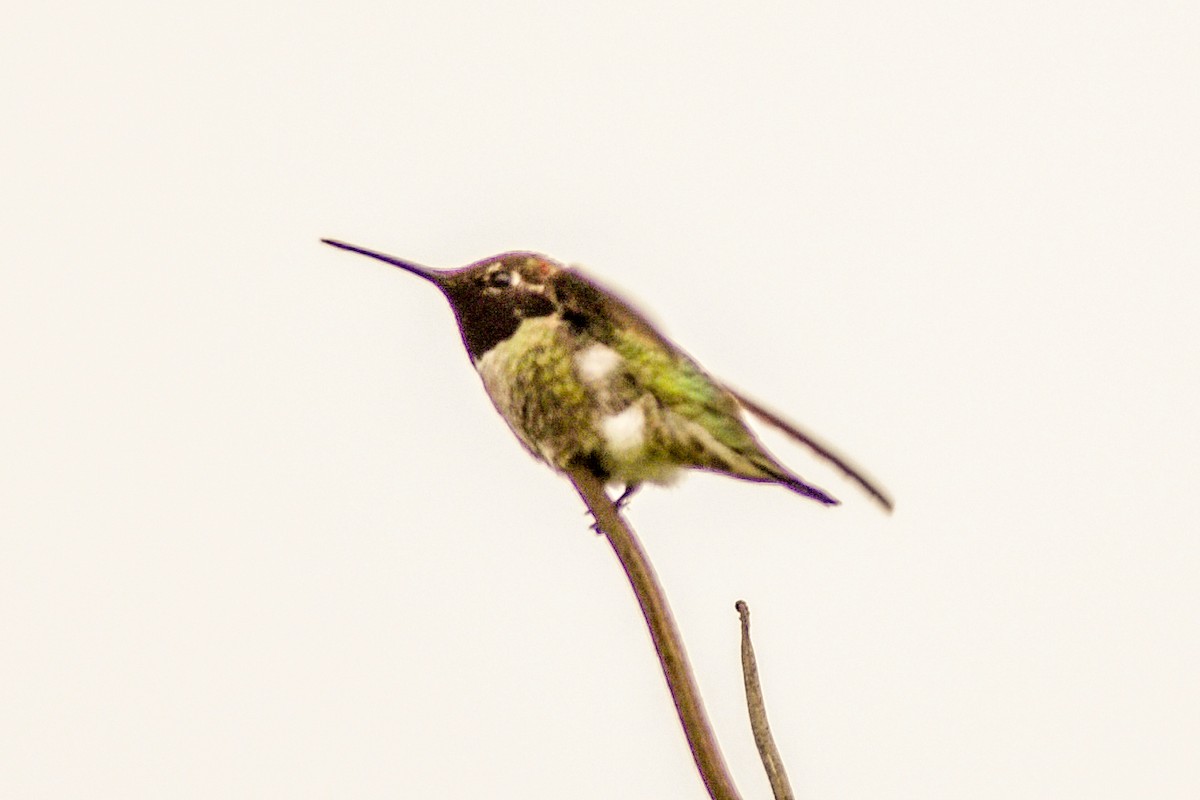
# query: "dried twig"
767, 751
666, 637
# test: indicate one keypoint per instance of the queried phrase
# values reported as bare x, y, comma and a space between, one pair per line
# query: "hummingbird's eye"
500, 279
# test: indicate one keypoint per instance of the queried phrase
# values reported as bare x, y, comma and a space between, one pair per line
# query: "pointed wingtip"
852, 472
814, 493
875, 493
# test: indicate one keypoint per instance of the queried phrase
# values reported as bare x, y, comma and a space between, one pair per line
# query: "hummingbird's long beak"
433, 275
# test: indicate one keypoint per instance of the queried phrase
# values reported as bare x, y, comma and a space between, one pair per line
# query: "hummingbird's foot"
627, 495
620, 503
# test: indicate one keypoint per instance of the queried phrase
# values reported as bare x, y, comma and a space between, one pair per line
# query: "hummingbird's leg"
627, 495
591, 462
620, 502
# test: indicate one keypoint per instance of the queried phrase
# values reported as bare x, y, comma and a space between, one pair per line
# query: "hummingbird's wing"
589, 306
682, 386
774, 420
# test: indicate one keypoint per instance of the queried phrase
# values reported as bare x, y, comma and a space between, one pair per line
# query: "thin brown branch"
767, 751
665, 634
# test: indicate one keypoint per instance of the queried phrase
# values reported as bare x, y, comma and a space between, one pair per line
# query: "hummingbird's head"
491, 297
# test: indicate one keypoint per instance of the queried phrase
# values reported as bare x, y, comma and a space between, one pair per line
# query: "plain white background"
263, 535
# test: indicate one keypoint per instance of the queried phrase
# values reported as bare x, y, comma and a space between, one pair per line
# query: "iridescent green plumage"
583, 379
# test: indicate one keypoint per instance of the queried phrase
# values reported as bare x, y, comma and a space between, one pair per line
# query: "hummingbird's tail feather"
852, 472
781, 475
800, 487
733, 450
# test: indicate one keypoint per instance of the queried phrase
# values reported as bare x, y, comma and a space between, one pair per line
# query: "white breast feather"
624, 431
595, 362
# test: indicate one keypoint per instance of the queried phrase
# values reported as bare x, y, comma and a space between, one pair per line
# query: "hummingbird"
584, 380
